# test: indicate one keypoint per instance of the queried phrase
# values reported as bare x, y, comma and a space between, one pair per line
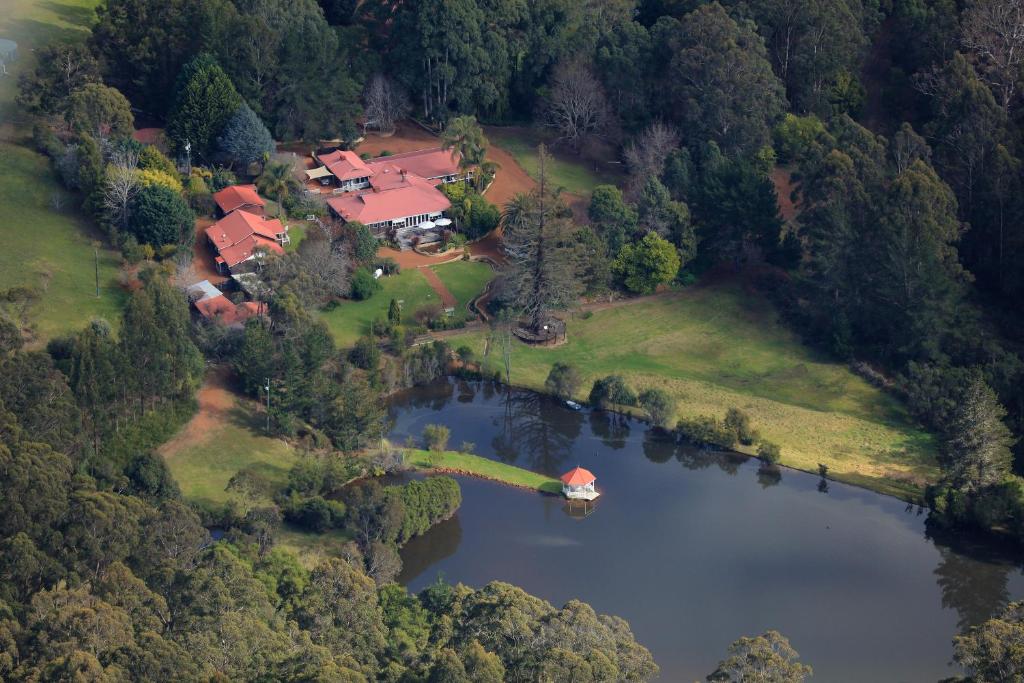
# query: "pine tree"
976, 452
204, 102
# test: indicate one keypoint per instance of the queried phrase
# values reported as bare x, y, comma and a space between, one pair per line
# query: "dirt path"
447, 298
782, 178
215, 404
202, 254
411, 259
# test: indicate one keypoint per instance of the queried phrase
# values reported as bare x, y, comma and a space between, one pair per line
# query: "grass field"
572, 175
716, 347
349, 320
51, 249
481, 467
44, 246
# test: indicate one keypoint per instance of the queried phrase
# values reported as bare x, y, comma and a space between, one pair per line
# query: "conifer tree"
976, 452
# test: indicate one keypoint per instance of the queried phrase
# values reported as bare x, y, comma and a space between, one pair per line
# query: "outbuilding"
578, 484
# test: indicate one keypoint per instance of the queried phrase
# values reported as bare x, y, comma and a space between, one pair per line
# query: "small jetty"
578, 484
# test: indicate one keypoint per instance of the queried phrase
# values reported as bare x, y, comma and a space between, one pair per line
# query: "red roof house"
431, 164
396, 199
242, 197
238, 236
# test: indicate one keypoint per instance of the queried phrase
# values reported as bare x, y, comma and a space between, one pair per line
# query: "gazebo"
578, 484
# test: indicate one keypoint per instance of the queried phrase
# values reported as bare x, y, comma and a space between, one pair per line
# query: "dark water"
695, 549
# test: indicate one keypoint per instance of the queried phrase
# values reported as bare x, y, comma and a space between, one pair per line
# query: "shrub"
364, 285
365, 354
659, 405
610, 391
436, 437
768, 453
465, 354
707, 431
563, 381
161, 216
316, 514
739, 422
467, 447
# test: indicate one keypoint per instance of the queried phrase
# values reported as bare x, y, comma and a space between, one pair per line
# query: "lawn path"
447, 298
215, 404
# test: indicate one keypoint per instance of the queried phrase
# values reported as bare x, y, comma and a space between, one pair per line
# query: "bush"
436, 437
161, 216
707, 431
739, 422
467, 447
365, 354
563, 381
611, 391
465, 354
364, 285
769, 453
315, 513
659, 405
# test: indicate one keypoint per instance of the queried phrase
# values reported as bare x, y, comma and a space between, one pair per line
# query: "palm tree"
488, 170
277, 182
464, 135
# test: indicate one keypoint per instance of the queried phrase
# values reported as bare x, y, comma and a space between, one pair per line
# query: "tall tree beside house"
465, 136
976, 453
384, 103
204, 102
245, 139
158, 215
541, 277
718, 84
100, 111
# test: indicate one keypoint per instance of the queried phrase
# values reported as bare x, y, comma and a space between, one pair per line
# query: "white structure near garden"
578, 484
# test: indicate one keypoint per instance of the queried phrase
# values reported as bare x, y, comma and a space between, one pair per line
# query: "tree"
436, 437
769, 453
767, 657
976, 452
537, 241
204, 102
610, 391
645, 156
564, 380
658, 213
482, 666
121, 186
448, 668
277, 181
576, 107
245, 139
465, 136
651, 262
101, 112
739, 422
659, 406
61, 70
993, 32
719, 84
394, 312
613, 219
992, 651
384, 103
159, 216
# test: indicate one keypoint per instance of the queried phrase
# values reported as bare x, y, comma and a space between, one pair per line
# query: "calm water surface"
695, 549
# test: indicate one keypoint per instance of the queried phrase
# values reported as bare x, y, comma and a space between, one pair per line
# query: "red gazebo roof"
578, 477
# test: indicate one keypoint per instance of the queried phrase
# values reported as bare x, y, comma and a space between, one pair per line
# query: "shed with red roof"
240, 197
579, 483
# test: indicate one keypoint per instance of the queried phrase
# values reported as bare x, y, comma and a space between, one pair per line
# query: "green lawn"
464, 279
717, 347
349, 320
565, 171
481, 467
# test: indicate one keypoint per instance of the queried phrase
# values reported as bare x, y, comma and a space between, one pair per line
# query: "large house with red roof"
241, 236
390, 194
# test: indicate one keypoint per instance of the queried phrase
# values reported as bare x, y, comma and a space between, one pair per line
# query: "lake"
696, 548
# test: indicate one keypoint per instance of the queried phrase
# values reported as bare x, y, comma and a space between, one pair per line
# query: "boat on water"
573, 405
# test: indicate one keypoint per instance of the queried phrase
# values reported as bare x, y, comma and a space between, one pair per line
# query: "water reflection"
694, 556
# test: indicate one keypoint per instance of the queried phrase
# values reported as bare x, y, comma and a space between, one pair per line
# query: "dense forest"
899, 124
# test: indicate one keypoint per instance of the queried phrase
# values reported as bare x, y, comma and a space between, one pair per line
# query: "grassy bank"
485, 468
349, 320
717, 347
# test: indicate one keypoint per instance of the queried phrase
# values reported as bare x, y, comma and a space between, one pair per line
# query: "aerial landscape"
458, 341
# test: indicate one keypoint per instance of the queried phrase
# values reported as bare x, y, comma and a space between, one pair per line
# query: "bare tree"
577, 107
540, 276
645, 156
385, 103
993, 31
121, 186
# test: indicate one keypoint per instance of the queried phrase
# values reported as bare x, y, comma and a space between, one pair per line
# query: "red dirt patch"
411, 259
511, 179
783, 180
215, 403
202, 255
447, 298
